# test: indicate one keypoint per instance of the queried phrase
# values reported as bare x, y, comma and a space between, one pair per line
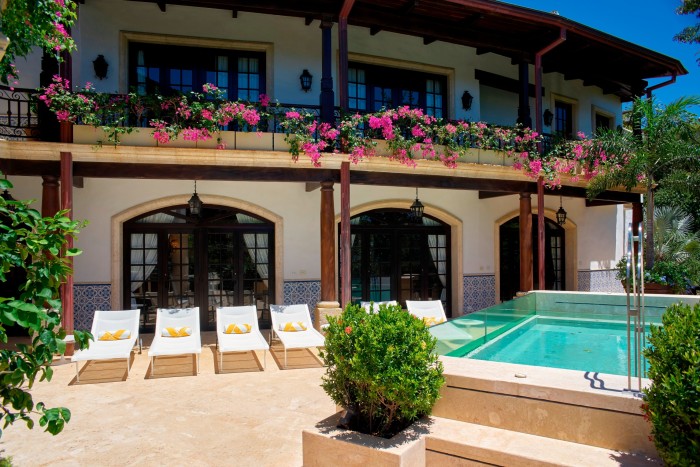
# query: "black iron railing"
18, 116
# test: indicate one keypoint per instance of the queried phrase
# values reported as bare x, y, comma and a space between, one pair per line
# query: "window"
169, 69
563, 119
372, 87
602, 122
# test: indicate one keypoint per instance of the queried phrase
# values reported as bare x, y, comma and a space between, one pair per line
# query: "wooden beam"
374, 30
78, 182
428, 40
161, 5
502, 82
471, 20
234, 14
410, 7
312, 186
493, 194
308, 20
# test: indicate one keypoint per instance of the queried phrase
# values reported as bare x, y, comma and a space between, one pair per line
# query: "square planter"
326, 444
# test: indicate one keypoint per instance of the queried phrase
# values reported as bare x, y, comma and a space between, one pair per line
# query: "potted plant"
382, 369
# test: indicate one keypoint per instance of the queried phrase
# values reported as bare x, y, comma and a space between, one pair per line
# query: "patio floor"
241, 417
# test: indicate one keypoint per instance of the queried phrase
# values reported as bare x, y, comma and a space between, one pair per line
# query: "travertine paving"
242, 417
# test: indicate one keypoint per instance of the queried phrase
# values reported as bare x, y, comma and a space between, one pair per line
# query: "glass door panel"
181, 266
255, 275
144, 275
411, 286
380, 267
222, 273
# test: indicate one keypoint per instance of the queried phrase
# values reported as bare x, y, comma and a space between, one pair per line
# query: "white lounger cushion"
252, 340
176, 318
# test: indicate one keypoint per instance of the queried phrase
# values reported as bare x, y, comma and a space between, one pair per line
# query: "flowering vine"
30, 23
409, 135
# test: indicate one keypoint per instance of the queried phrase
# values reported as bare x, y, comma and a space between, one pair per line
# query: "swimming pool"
576, 331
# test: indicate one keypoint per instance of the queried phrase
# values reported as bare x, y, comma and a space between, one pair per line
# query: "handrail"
18, 116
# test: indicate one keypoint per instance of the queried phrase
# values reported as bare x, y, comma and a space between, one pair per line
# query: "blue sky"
649, 23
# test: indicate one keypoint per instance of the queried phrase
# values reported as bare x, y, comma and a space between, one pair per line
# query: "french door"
510, 257
396, 257
222, 258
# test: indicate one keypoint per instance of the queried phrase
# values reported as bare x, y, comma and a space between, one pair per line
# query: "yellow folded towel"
238, 328
293, 326
432, 321
176, 332
118, 335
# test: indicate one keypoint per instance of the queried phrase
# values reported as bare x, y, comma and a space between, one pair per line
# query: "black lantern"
305, 79
417, 207
548, 116
467, 100
561, 214
100, 65
195, 203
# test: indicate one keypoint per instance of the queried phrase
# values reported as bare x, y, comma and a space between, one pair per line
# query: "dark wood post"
67, 203
540, 234
327, 95
525, 242
50, 201
345, 244
328, 284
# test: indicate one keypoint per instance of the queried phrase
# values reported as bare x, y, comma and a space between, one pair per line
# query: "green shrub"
673, 399
382, 368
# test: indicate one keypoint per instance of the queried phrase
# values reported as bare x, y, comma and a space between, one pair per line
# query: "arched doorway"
223, 257
555, 255
396, 257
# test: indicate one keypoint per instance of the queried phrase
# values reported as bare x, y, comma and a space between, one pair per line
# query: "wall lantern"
548, 116
561, 214
467, 100
305, 79
195, 203
100, 65
417, 207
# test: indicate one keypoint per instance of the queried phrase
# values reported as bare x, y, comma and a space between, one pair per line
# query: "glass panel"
222, 63
410, 287
380, 267
144, 274
181, 265
221, 275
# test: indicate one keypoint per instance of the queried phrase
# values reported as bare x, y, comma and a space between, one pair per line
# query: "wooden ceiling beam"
374, 30
234, 14
161, 5
428, 40
308, 20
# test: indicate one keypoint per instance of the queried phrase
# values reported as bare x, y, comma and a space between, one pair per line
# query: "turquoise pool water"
598, 346
576, 331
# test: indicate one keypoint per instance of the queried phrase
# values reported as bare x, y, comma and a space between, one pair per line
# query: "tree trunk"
649, 246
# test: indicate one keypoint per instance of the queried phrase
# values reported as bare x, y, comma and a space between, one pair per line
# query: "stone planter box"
654, 288
326, 444
86, 134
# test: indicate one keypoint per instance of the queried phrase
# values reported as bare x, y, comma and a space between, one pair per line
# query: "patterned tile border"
308, 292
479, 292
87, 298
599, 281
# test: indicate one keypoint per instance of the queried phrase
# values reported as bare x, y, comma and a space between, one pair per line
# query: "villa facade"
270, 228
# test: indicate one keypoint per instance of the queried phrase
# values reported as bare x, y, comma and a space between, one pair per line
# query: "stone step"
454, 443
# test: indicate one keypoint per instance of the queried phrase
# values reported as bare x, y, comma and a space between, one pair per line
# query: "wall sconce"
100, 65
548, 116
305, 79
561, 214
195, 203
467, 100
417, 207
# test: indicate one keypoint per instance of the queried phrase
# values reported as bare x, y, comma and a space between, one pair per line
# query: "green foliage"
673, 399
35, 23
33, 244
382, 367
689, 34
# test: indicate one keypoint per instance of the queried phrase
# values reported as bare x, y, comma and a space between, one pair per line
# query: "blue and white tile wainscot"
86, 299
308, 292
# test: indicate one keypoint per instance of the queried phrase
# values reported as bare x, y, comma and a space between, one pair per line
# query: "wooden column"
345, 246
50, 200
540, 234
67, 203
328, 283
525, 242
327, 96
